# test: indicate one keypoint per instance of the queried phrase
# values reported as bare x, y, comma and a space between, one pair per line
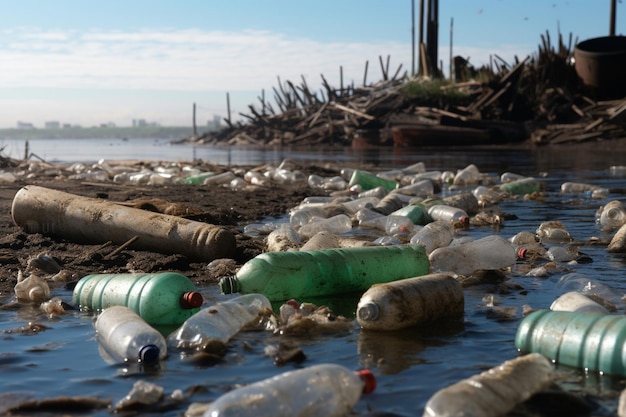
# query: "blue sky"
91, 62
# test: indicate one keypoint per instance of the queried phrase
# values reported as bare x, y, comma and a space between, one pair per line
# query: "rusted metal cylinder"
601, 63
90, 220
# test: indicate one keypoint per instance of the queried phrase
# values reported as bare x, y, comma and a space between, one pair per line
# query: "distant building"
52, 125
66, 125
216, 123
25, 125
139, 123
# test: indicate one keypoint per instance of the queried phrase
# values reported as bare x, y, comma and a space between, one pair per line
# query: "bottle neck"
229, 285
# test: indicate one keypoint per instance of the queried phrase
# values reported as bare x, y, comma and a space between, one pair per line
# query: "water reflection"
394, 351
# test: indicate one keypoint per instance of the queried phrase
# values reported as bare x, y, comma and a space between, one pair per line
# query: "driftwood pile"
539, 99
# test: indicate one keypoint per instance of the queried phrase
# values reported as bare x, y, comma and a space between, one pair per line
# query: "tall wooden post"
195, 128
612, 22
412, 38
422, 64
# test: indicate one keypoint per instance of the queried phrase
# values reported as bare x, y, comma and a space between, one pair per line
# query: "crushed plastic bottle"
490, 252
434, 235
327, 390
284, 275
211, 328
123, 336
32, 288
611, 216
495, 392
410, 302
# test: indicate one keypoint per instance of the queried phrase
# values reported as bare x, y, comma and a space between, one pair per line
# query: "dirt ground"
215, 205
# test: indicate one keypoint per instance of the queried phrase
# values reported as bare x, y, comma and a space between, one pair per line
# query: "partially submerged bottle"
494, 392
166, 298
368, 181
578, 303
490, 252
284, 275
123, 336
211, 328
450, 214
33, 288
522, 186
593, 342
327, 390
410, 302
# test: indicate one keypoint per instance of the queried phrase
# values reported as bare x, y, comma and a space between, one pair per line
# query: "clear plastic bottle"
284, 275
618, 241
578, 303
211, 328
611, 216
327, 390
338, 224
450, 214
410, 302
166, 298
33, 288
466, 176
562, 253
490, 252
553, 232
422, 188
465, 201
123, 336
220, 179
593, 342
434, 235
495, 392
304, 214
389, 203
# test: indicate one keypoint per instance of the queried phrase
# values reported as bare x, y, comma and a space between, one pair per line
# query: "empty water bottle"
490, 252
327, 390
612, 215
284, 275
434, 235
593, 342
410, 302
160, 299
450, 214
495, 392
32, 288
338, 224
123, 336
211, 328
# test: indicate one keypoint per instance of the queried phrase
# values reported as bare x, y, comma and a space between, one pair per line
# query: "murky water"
410, 365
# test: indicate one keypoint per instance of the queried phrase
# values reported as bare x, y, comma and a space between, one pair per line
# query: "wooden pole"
412, 38
365, 74
452, 75
341, 81
421, 66
195, 128
612, 22
228, 108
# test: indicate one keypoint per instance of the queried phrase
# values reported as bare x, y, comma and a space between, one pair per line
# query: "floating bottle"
593, 342
612, 215
338, 224
417, 213
123, 336
436, 234
92, 220
368, 181
410, 302
495, 392
522, 186
465, 201
33, 288
284, 275
211, 328
450, 214
466, 176
160, 299
327, 390
490, 252
576, 302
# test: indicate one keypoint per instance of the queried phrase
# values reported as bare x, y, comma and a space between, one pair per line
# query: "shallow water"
410, 365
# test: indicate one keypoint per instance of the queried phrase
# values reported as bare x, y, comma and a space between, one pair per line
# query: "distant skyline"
91, 63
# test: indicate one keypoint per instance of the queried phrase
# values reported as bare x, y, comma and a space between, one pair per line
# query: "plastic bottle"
468, 175
495, 392
389, 203
43, 210
593, 342
415, 212
434, 235
410, 302
578, 303
338, 224
211, 328
562, 253
464, 201
284, 275
123, 336
490, 252
160, 299
510, 176
327, 390
553, 232
198, 179
422, 188
448, 213
368, 181
522, 186
618, 241
612, 215
31, 289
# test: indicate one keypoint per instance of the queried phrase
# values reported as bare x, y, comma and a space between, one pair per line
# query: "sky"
93, 62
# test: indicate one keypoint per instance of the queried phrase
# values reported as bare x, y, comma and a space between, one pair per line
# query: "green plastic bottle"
367, 181
301, 275
161, 299
522, 186
589, 341
417, 213
199, 178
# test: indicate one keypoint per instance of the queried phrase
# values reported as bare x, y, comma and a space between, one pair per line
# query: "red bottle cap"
191, 299
521, 253
369, 380
293, 303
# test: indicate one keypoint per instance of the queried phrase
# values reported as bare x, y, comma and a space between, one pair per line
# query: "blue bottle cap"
149, 353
